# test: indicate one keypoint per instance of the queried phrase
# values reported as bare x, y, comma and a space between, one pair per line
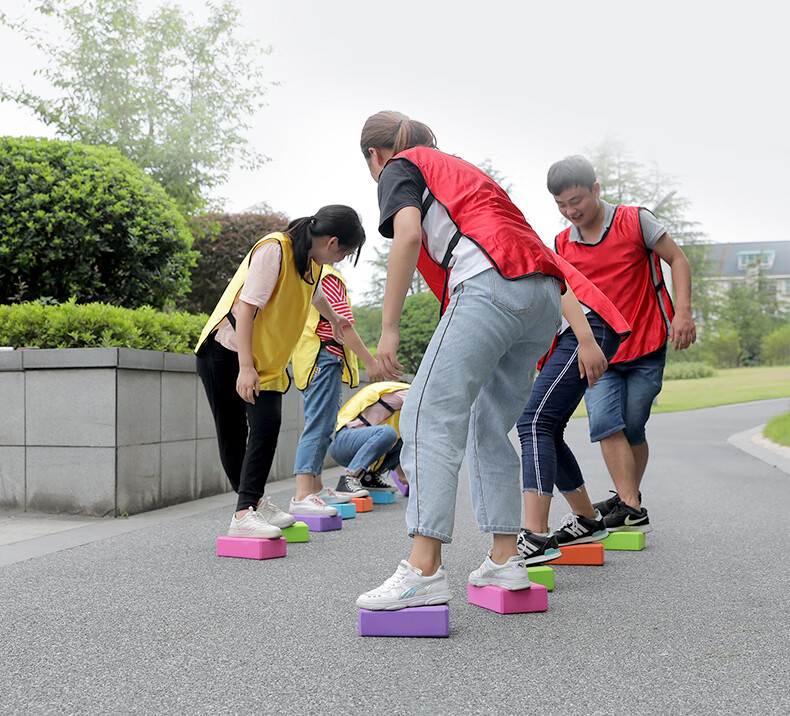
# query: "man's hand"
592, 362
682, 332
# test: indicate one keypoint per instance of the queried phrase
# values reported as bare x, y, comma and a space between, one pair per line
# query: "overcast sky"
701, 88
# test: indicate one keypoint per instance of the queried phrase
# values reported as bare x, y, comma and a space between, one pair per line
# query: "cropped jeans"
472, 384
546, 459
359, 448
321, 403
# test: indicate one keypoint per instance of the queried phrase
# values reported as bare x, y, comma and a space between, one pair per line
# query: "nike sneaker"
625, 518
606, 506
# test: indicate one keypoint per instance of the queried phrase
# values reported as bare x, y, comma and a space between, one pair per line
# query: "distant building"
735, 262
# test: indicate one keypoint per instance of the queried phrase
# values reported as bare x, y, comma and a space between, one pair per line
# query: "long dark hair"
333, 220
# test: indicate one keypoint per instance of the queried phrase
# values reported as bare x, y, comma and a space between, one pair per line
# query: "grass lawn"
732, 385
778, 429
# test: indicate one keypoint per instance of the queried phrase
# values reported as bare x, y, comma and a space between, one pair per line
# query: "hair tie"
312, 221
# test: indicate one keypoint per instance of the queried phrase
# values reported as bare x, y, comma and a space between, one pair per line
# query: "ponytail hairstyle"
395, 131
333, 220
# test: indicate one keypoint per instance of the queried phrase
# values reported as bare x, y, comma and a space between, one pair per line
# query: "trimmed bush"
97, 325
685, 371
85, 222
222, 241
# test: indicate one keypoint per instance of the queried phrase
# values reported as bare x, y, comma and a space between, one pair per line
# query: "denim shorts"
622, 398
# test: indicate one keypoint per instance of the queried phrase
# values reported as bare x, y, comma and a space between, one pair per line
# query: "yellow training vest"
278, 325
306, 352
369, 395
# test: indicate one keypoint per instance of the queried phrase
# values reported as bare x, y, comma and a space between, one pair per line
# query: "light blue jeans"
359, 448
321, 403
471, 387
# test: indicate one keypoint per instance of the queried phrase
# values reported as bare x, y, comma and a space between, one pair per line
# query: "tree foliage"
171, 94
418, 322
624, 180
222, 241
85, 222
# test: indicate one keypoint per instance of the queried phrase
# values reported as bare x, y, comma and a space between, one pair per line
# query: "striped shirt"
335, 293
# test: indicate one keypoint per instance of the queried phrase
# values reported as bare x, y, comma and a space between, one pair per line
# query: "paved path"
150, 621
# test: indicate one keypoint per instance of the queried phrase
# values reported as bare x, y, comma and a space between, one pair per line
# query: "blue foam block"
347, 510
383, 498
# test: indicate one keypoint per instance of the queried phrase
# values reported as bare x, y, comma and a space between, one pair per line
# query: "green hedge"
685, 371
97, 325
778, 429
85, 222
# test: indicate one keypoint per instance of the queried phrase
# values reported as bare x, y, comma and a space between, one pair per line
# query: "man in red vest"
619, 249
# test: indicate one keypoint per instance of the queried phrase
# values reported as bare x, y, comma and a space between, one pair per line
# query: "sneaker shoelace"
353, 483
570, 520
268, 506
317, 500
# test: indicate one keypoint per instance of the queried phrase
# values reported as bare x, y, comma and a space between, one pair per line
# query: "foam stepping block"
504, 601
411, 621
247, 548
321, 523
363, 504
585, 554
542, 574
297, 532
631, 541
383, 498
346, 510
403, 487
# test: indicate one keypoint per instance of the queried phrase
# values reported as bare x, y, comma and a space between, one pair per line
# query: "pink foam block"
412, 621
321, 523
247, 548
503, 601
404, 488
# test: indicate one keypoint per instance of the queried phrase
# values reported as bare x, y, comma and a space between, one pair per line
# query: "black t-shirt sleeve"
401, 184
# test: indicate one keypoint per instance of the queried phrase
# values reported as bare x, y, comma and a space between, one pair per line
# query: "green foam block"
631, 541
297, 532
542, 574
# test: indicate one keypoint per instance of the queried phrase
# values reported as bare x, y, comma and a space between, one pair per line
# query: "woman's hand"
592, 362
248, 384
373, 371
338, 322
387, 354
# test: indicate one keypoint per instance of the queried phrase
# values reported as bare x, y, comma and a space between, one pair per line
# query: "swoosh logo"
629, 522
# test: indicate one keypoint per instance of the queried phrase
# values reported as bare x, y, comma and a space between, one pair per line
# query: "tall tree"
624, 180
170, 93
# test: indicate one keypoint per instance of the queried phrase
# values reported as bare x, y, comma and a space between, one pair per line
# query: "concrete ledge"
778, 457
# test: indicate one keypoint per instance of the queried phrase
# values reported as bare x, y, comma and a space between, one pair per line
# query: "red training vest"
630, 275
483, 213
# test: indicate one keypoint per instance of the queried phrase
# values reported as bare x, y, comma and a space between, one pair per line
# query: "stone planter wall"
108, 431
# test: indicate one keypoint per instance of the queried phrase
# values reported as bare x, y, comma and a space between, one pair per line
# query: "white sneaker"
511, 575
311, 505
273, 514
253, 526
331, 497
407, 588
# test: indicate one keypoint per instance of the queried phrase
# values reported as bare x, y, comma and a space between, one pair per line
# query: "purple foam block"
503, 601
321, 523
404, 489
247, 548
412, 621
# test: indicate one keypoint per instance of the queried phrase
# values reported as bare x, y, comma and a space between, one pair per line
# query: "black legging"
246, 459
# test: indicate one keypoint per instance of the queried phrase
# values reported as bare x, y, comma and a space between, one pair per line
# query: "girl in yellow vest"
321, 366
247, 342
368, 440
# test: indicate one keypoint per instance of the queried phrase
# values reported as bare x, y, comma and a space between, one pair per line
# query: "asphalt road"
151, 621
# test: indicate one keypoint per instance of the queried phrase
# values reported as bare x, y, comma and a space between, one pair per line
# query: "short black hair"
569, 172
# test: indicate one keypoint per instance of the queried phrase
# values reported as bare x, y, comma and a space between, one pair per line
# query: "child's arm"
682, 332
592, 361
337, 321
248, 384
356, 344
403, 257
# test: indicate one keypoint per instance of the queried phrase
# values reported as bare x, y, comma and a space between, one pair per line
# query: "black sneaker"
534, 549
576, 529
607, 506
625, 518
375, 483
349, 485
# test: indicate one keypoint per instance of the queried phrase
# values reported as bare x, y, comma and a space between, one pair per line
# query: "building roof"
732, 259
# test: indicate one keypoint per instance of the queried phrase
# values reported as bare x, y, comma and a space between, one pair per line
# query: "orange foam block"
364, 504
586, 554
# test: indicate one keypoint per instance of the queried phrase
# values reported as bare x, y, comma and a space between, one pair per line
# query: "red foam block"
583, 554
504, 601
247, 548
412, 621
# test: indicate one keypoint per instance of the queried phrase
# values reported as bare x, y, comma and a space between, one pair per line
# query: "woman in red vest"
500, 289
